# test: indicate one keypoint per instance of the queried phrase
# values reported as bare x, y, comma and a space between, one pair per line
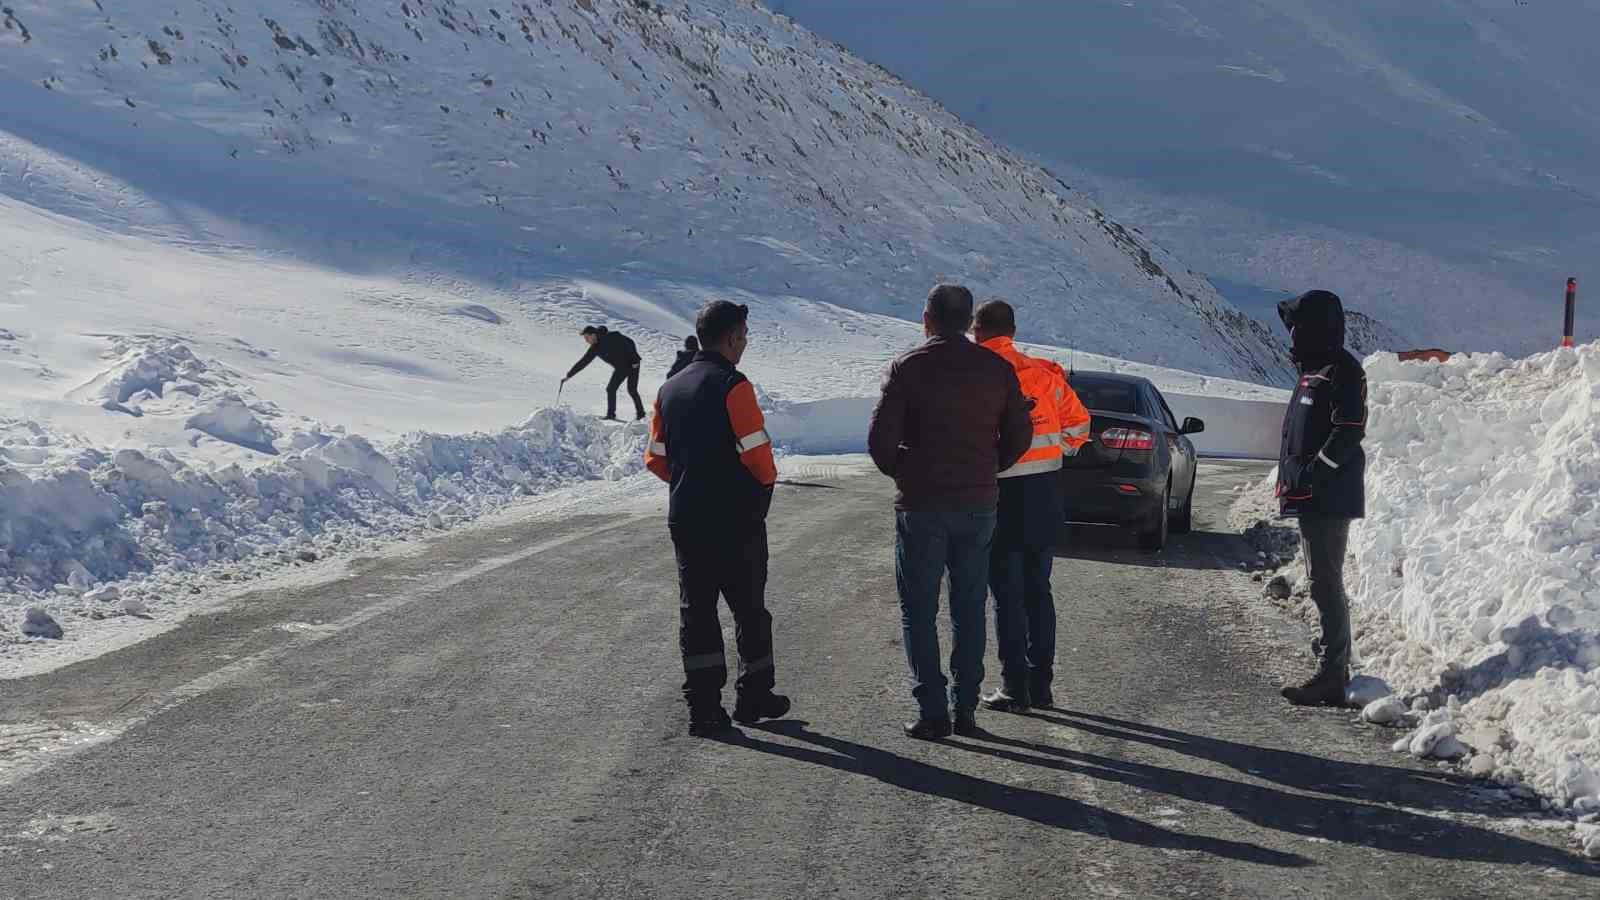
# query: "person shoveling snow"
618, 350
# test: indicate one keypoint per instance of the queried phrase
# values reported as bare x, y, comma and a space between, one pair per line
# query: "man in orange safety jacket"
1030, 518
709, 441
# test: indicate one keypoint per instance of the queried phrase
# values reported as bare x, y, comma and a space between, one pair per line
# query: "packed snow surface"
1475, 578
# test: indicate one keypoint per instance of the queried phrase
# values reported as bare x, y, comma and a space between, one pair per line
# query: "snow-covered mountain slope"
1433, 161
284, 278
705, 146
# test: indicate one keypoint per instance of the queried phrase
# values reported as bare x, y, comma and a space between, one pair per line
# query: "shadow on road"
1035, 806
1331, 818
1363, 781
1198, 550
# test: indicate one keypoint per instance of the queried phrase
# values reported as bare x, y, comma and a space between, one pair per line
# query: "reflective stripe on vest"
658, 448
1033, 467
754, 440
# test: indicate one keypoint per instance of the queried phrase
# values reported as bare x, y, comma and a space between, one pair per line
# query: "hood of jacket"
1315, 321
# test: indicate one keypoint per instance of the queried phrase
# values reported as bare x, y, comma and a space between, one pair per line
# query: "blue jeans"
1024, 620
926, 545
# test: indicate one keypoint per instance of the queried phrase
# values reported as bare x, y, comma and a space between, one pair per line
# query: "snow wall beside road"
1247, 429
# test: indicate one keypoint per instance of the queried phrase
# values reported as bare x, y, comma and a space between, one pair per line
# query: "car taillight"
1127, 439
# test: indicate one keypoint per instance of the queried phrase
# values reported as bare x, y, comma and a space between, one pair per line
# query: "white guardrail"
1241, 429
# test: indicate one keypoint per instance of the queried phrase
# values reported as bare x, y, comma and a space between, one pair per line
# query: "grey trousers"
1323, 542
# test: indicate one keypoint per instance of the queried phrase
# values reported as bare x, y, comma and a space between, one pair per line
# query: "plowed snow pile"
1475, 578
88, 533
1480, 542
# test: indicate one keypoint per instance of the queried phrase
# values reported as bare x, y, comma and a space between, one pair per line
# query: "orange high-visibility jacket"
1075, 417
1060, 421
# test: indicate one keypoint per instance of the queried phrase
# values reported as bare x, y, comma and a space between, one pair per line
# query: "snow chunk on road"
1576, 782
1390, 710
1365, 690
106, 594
39, 624
1435, 739
1588, 837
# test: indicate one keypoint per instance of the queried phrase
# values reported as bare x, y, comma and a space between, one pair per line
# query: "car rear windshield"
1109, 396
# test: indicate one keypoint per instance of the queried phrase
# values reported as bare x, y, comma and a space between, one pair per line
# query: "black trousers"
1024, 619
618, 376
732, 564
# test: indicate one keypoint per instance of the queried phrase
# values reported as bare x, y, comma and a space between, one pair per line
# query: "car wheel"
1156, 537
1183, 521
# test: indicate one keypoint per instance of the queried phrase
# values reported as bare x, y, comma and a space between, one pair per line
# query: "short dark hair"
950, 308
593, 329
717, 319
691, 343
996, 316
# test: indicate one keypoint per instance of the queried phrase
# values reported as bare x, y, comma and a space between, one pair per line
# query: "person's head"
722, 329
995, 319
948, 312
1315, 321
691, 344
592, 334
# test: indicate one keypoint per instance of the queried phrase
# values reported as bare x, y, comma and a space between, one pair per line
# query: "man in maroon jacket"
951, 417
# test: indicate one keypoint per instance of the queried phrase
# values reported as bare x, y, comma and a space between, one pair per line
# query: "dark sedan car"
1138, 468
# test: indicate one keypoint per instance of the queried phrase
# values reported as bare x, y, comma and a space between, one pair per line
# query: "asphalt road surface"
500, 717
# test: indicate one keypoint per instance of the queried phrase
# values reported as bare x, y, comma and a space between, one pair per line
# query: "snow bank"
1483, 501
75, 518
1475, 578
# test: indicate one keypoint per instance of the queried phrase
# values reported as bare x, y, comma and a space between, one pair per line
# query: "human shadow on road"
1341, 821
1024, 803
1301, 771
1197, 550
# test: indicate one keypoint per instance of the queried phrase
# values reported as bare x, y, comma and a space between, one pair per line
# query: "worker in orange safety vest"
1030, 516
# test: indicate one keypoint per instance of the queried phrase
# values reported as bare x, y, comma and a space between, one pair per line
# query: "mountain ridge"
711, 144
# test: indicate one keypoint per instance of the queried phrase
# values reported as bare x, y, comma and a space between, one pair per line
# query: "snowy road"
499, 717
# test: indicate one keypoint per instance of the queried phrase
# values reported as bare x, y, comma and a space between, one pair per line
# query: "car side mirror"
1192, 425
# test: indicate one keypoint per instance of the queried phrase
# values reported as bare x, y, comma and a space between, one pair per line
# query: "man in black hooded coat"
1321, 476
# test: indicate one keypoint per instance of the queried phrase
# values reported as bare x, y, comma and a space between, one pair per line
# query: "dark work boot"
929, 729
752, 709
707, 721
1005, 701
1039, 692
1326, 688
966, 723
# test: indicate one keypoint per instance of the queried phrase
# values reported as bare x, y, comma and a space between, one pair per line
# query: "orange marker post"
1572, 311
